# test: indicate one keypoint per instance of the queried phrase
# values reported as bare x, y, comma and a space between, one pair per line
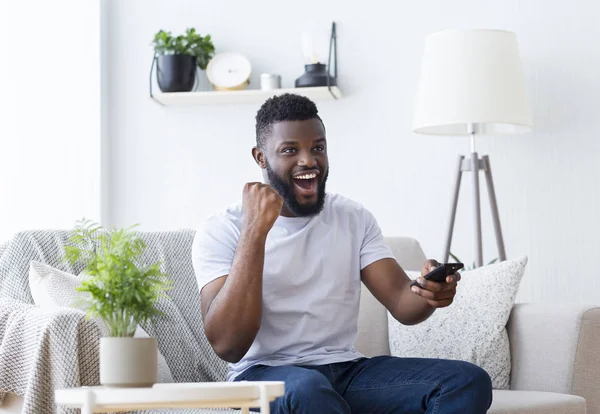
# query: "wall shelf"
246, 96
252, 96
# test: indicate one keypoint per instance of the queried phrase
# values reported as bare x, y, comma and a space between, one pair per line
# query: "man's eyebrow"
316, 141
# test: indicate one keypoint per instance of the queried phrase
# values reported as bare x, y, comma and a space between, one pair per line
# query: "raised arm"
232, 304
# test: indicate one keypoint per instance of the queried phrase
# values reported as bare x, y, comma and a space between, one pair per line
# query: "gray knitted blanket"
41, 351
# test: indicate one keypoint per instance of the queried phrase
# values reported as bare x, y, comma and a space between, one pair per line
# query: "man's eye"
289, 150
319, 148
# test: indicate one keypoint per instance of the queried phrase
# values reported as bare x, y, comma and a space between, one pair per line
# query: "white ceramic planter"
128, 362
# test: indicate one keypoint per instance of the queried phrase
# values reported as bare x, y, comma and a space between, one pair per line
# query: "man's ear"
259, 157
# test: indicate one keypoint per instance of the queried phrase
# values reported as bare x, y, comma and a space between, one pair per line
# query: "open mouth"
306, 184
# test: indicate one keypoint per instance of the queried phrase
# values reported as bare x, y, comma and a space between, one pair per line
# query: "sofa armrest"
42, 350
555, 348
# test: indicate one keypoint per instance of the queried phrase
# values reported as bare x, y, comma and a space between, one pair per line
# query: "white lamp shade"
472, 77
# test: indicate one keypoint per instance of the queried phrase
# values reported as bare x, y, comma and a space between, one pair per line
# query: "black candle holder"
318, 74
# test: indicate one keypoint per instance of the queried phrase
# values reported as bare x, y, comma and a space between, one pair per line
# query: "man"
280, 277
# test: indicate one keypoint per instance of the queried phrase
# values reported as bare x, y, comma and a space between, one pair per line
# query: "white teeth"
306, 177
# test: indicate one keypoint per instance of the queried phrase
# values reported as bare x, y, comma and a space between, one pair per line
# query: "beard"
285, 188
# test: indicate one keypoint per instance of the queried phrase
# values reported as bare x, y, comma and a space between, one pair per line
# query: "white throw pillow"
473, 327
52, 288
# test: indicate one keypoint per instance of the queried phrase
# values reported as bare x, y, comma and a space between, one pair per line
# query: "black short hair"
285, 107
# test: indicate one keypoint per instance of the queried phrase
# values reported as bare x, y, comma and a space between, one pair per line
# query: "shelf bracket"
332, 48
151, 73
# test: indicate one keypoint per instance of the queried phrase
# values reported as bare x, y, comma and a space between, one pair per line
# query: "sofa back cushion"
372, 338
180, 331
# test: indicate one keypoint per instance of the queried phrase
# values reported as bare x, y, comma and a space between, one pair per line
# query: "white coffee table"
243, 395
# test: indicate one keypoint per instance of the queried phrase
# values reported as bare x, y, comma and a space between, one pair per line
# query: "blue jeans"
379, 385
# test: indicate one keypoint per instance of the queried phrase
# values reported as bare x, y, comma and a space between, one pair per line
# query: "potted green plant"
177, 59
123, 294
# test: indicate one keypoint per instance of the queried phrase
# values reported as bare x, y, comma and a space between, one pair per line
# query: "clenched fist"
261, 206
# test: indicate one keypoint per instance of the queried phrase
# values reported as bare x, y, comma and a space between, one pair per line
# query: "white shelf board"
245, 96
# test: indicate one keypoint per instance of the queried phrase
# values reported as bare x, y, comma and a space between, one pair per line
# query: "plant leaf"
121, 292
191, 43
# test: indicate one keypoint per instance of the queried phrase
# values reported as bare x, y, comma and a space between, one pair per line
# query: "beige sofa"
555, 350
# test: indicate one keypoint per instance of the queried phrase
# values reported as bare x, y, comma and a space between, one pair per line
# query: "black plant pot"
316, 75
176, 73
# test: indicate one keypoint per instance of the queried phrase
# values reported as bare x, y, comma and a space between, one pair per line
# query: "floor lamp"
472, 83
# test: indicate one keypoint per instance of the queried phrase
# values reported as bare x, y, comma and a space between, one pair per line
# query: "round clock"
229, 71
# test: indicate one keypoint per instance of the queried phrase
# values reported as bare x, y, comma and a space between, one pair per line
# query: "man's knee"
306, 382
477, 377
473, 383
309, 390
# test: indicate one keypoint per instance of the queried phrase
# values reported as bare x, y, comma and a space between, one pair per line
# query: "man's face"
296, 165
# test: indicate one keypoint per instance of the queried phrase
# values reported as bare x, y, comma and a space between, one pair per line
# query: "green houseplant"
122, 294
178, 56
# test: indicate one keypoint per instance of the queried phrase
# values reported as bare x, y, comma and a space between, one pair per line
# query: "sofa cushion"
473, 328
535, 402
372, 338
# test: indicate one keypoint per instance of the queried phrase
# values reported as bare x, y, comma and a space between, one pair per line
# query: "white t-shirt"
311, 280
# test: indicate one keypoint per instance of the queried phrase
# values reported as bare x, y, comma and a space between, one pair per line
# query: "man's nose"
307, 160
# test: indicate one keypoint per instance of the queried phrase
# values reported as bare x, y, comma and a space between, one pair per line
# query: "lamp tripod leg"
494, 207
477, 210
446, 254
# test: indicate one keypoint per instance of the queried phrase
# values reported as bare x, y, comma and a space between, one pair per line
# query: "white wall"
170, 168
49, 114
